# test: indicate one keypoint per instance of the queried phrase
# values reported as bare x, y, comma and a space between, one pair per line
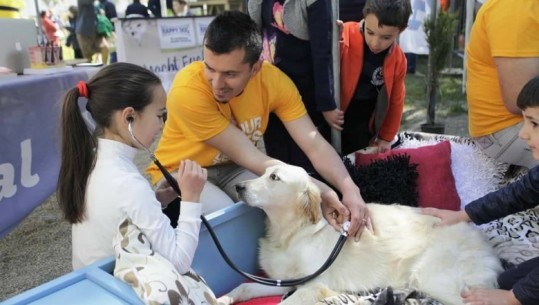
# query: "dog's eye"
274, 177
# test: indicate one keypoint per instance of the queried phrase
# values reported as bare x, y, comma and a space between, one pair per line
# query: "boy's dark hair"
529, 95
389, 12
232, 30
113, 88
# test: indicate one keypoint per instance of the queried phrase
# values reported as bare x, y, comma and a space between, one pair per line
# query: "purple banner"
30, 141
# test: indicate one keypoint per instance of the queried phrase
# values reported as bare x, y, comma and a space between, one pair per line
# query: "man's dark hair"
233, 30
529, 95
389, 12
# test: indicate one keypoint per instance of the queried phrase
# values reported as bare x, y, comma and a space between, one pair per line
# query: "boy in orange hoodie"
373, 68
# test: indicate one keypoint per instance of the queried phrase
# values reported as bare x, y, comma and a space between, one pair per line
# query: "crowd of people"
267, 76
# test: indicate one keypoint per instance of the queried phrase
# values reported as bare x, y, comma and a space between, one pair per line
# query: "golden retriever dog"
404, 250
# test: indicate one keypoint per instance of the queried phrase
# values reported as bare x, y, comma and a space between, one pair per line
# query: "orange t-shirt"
194, 116
502, 29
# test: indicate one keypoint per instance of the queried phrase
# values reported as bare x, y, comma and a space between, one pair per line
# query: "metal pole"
40, 35
335, 134
164, 8
470, 8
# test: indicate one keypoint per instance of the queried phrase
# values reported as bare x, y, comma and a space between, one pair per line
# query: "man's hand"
335, 118
353, 209
359, 213
333, 210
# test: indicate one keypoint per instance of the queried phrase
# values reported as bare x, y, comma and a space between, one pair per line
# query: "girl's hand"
191, 178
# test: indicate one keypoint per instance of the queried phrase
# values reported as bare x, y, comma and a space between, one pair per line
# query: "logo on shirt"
251, 128
377, 77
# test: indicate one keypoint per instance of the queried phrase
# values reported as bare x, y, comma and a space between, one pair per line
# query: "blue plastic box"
238, 228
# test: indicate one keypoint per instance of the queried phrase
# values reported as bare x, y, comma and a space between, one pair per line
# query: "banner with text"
29, 133
163, 45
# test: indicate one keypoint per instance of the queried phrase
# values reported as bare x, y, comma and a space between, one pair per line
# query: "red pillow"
435, 181
274, 300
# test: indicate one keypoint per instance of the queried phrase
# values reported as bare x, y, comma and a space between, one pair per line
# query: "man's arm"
233, 143
328, 163
513, 74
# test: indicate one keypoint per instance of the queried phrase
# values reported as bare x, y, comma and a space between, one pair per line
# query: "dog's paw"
241, 293
225, 300
247, 291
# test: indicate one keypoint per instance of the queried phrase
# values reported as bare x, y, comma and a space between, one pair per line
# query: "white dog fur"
405, 250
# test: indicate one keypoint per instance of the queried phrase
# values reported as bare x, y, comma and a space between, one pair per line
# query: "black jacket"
518, 196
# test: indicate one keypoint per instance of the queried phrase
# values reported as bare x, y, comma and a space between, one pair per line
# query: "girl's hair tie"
83, 89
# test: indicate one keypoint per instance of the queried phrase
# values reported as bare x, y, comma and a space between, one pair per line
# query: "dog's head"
283, 190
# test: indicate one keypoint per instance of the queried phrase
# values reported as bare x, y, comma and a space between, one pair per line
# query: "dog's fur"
405, 250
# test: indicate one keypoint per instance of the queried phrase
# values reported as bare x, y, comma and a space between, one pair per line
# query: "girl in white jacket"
100, 190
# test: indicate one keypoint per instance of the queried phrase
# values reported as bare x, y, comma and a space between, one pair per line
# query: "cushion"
475, 173
435, 181
389, 180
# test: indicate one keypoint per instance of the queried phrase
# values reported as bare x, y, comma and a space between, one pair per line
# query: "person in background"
351, 10
99, 185
373, 69
109, 10
519, 285
90, 41
299, 44
137, 8
50, 28
179, 9
218, 110
71, 40
155, 7
498, 63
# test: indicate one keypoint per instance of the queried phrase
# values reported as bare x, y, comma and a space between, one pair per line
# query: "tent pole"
335, 134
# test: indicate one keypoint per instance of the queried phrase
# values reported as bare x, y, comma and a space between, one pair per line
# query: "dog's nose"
240, 188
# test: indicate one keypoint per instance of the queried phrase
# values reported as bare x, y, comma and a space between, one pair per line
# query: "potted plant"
439, 30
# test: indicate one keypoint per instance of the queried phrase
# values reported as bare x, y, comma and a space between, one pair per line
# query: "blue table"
30, 108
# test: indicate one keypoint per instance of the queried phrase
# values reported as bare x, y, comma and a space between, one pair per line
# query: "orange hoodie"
387, 116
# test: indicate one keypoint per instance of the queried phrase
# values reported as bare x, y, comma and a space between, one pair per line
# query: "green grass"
451, 100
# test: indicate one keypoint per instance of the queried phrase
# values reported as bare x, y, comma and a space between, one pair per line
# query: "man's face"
379, 38
228, 74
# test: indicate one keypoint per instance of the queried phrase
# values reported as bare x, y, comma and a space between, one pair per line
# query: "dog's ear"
311, 199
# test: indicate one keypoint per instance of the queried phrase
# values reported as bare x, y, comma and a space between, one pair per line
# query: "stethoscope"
254, 278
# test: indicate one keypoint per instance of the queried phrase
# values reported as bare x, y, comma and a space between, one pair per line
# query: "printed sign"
176, 33
180, 40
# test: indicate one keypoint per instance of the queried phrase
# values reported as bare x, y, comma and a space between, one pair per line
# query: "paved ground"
40, 248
